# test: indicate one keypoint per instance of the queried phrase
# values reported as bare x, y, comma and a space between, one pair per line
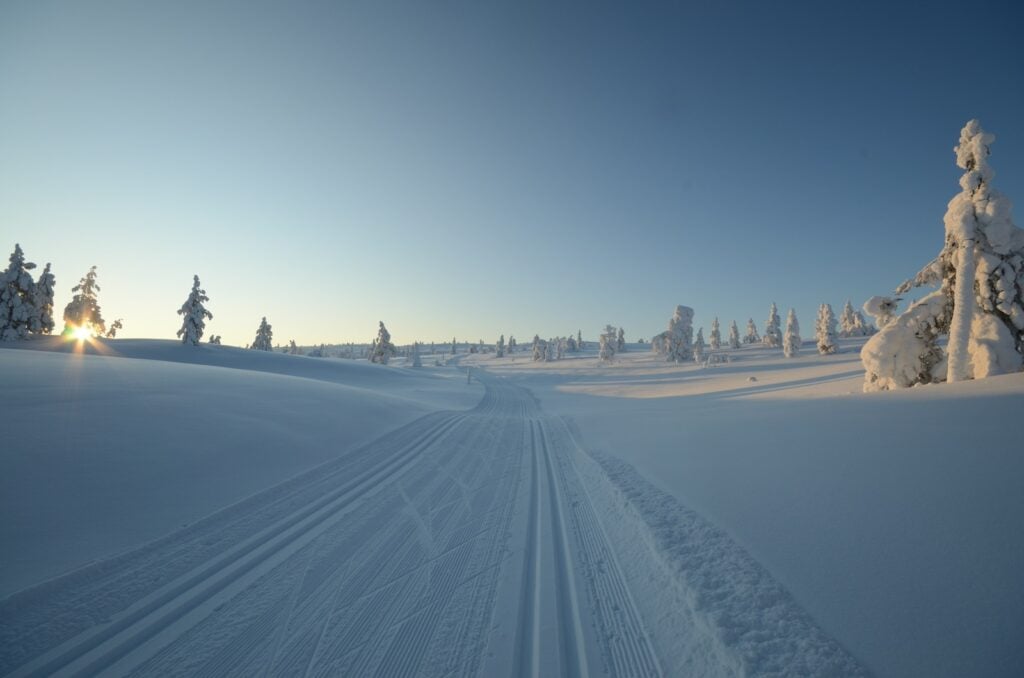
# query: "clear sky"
470, 169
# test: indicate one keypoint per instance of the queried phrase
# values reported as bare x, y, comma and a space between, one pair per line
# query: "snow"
220, 509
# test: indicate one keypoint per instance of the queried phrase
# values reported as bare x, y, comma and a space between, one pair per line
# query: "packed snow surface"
180, 510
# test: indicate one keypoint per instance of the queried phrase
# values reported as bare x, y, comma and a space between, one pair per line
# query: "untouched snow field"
227, 512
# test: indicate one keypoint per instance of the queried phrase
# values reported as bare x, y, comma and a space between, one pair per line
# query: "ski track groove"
388, 564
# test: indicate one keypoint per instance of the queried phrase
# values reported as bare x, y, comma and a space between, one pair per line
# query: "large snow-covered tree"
825, 329
17, 298
792, 341
751, 337
83, 311
195, 315
264, 337
772, 332
679, 339
734, 336
383, 349
979, 302
716, 335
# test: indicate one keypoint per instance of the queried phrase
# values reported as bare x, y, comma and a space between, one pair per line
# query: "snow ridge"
743, 621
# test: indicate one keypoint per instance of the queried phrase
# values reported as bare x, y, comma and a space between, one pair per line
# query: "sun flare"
81, 333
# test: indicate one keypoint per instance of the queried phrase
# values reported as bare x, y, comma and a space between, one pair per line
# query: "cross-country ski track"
484, 542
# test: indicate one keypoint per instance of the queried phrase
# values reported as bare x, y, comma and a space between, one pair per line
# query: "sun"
82, 333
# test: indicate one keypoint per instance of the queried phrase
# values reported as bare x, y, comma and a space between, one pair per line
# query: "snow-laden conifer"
606, 347
17, 298
571, 343
980, 300
620, 341
512, 345
882, 309
115, 327
499, 347
680, 335
848, 321
772, 331
42, 317
751, 337
416, 360
698, 346
383, 349
194, 315
579, 340
538, 348
825, 330
264, 340
792, 341
83, 311
716, 335
734, 336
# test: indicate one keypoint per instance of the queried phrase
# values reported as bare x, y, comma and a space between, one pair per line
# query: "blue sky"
472, 169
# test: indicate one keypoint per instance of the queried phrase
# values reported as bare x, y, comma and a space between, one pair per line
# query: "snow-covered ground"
219, 511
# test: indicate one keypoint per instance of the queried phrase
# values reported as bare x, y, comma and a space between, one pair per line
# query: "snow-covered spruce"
734, 336
570, 344
852, 323
84, 310
195, 315
17, 298
980, 275
825, 330
42, 318
383, 349
698, 346
115, 326
716, 335
792, 341
579, 340
605, 348
511, 344
620, 341
417, 362
751, 337
264, 337
499, 347
772, 333
882, 309
679, 338
540, 349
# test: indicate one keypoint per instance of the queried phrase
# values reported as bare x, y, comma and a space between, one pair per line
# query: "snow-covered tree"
825, 330
416, 360
383, 349
980, 300
579, 340
114, 327
772, 332
215, 339
18, 310
293, 348
716, 335
571, 343
41, 320
862, 327
453, 346
620, 342
848, 321
560, 346
83, 311
539, 348
512, 345
264, 337
606, 347
882, 309
680, 335
195, 315
734, 336
751, 337
499, 347
698, 346
791, 342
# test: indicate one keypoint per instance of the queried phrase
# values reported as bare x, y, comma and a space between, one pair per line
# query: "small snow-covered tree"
512, 345
734, 336
579, 340
18, 310
680, 335
791, 342
264, 337
825, 330
383, 349
453, 346
416, 360
42, 318
606, 347
538, 348
83, 311
499, 347
620, 342
114, 327
862, 327
751, 337
848, 321
716, 335
560, 346
195, 315
698, 346
571, 343
882, 309
215, 339
772, 331
293, 348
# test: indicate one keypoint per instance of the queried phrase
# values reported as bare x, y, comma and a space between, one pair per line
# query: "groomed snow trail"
469, 543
